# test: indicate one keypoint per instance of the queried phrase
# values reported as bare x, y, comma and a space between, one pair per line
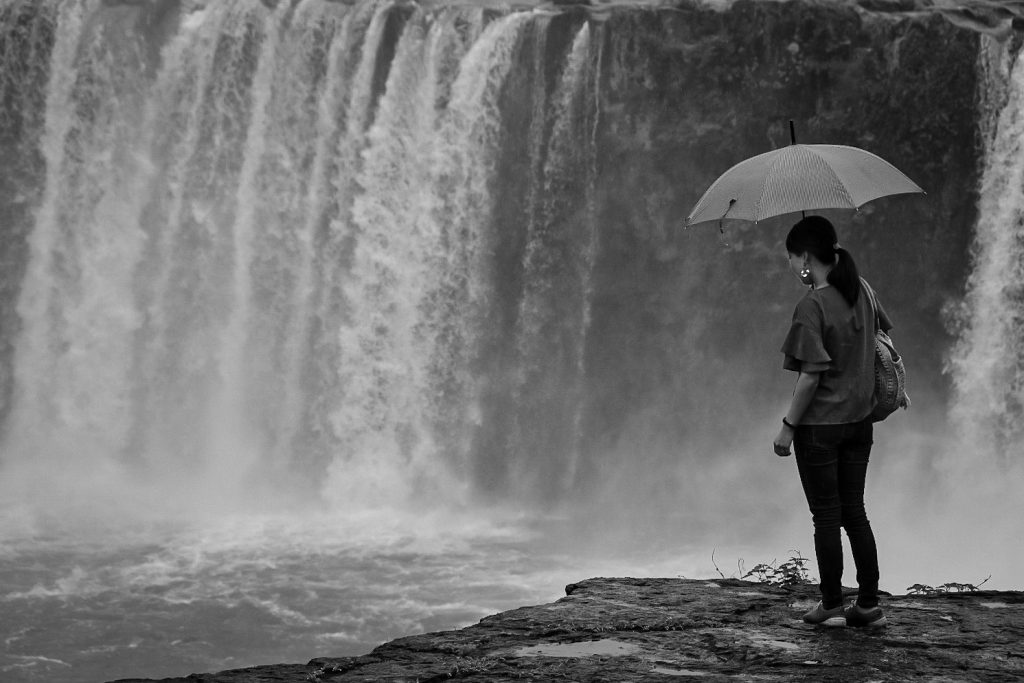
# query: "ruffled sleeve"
804, 347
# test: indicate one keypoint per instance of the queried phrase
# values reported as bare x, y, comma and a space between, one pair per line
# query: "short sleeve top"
830, 337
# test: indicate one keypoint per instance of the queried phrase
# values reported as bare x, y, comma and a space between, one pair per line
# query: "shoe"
871, 617
826, 617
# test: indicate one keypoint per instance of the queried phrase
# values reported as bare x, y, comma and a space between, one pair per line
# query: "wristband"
786, 422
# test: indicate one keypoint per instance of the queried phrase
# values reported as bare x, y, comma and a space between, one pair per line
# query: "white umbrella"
800, 178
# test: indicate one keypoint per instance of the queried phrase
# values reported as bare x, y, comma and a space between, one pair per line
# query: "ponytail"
816, 235
844, 276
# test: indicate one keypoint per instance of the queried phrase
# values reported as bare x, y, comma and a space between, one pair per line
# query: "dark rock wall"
681, 354
686, 329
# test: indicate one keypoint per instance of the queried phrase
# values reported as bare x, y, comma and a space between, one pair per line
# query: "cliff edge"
623, 629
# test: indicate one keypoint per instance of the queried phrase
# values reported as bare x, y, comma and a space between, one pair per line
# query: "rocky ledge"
663, 629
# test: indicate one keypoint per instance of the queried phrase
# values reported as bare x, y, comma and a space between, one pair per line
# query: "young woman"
831, 346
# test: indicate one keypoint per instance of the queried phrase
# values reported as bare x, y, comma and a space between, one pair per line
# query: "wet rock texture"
609, 629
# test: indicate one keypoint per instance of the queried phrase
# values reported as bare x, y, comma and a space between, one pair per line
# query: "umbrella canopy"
800, 178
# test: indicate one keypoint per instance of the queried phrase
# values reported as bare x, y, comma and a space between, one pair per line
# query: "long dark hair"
816, 235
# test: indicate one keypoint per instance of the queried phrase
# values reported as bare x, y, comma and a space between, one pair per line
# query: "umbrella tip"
792, 132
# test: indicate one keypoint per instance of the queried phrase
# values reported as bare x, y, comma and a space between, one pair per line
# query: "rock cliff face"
663, 629
689, 93
682, 94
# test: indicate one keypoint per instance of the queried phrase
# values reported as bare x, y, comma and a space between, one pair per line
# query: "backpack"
890, 375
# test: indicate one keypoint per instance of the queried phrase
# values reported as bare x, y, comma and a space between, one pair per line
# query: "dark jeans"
833, 463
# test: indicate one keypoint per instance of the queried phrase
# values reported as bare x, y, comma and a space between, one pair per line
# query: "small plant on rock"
950, 587
792, 572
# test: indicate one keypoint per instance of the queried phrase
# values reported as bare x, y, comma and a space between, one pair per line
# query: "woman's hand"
783, 442
806, 385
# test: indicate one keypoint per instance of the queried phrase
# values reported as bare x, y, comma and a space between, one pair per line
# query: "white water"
207, 287
256, 283
988, 364
570, 171
247, 386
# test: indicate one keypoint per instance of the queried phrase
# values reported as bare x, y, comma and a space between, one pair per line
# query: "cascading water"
268, 270
260, 270
417, 279
558, 263
315, 313
987, 365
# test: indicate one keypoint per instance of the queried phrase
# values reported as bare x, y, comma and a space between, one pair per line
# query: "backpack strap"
874, 303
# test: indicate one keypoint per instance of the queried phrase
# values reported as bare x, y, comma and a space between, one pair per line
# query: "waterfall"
266, 251
76, 327
558, 261
987, 364
183, 282
400, 258
361, 249
231, 443
26, 39
314, 37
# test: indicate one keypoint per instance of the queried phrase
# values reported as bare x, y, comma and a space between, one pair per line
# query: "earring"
805, 275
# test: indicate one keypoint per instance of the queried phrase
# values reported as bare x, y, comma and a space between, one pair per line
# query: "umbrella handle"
721, 228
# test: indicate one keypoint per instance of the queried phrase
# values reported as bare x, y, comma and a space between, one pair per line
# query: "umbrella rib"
729, 188
835, 178
795, 198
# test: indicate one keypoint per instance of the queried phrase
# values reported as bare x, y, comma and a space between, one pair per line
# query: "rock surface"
625, 629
